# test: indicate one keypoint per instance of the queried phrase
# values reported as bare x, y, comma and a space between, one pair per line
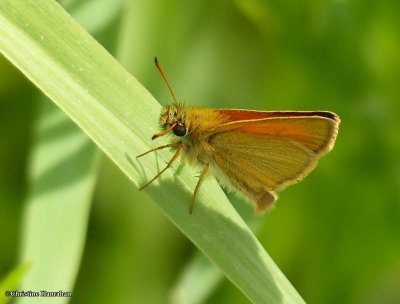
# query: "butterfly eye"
179, 129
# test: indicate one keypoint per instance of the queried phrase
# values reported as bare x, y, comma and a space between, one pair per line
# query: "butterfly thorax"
193, 126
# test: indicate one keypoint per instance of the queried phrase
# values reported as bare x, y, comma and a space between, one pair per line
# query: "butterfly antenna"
161, 70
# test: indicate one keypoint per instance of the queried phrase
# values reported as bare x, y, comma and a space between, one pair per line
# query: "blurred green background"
336, 235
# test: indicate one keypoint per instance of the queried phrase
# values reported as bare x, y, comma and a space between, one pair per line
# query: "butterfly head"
173, 118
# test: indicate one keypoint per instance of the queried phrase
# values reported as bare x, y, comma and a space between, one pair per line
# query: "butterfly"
258, 153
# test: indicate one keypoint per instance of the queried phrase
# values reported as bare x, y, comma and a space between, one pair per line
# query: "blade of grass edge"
63, 170
119, 115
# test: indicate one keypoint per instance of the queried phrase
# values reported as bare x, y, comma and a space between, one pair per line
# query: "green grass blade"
200, 278
12, 281
196, 282
119, 114
63, 171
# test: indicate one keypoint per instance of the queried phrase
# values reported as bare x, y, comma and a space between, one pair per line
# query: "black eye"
179, 129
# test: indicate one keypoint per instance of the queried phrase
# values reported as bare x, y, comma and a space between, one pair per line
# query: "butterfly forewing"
316, 133
270, 153
238, 114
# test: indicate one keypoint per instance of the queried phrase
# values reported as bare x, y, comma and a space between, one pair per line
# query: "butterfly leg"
177, 152
201, 177
159, 148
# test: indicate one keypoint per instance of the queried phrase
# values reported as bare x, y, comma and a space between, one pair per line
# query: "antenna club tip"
155, 60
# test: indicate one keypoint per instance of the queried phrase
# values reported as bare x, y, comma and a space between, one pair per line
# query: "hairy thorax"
199, 123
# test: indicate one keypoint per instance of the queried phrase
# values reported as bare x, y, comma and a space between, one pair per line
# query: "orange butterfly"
256, 152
